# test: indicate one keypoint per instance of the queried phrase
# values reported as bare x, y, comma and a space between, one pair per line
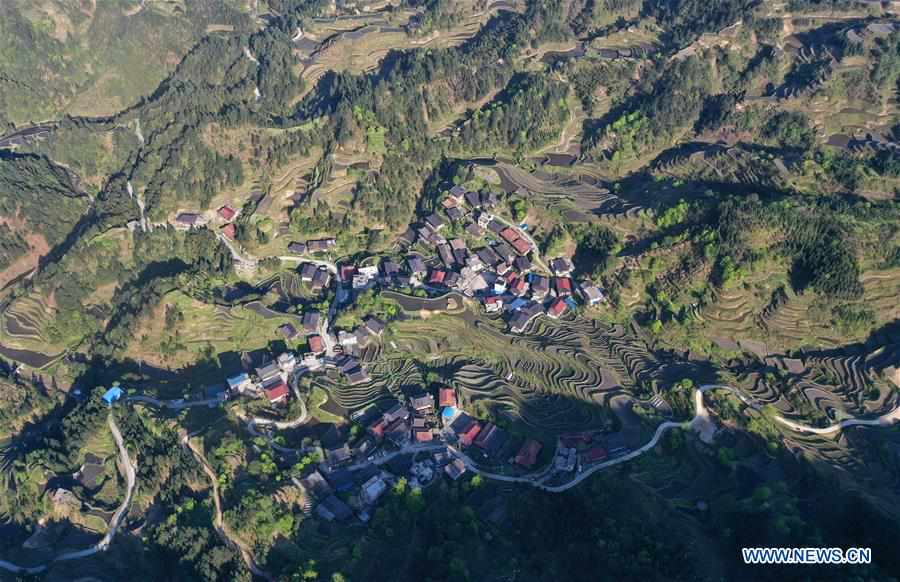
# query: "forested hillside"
95, 58
653, 244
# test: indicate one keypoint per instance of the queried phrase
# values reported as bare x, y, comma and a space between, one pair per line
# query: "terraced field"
583, 192
358, 45
827, 386
880, 292
756, 309
551, 378
24, 332
388, 378
715, 163
732, 314
758, 388
24, 322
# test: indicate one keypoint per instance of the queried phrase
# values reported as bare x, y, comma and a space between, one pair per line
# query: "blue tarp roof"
448, 411
234, 380
518, 303
112, 395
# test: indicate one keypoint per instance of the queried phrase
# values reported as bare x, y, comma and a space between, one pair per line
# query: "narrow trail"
137, 130
172, 404
139, 199
248, 263
219, 524
221, 527
116, 521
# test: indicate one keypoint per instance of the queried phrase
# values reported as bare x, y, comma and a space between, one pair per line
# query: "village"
468, 249
418, 439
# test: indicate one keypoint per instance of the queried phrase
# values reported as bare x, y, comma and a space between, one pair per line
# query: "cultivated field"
226, 329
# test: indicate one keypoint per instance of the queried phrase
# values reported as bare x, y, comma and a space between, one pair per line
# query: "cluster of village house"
417, 426
413, 425
499, 274
351, 479
271, 380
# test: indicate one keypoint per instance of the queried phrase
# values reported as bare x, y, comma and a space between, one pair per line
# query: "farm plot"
387, 378
564, 190
201, 327
27, 334
25, 321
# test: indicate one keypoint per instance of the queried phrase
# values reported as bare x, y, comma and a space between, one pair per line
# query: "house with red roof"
447, 397
522, 246
227, 212
594, 455
377, 428
557, 308
229, 230
518, 287
562, 286
276, 393
316, 345
509, 235
437, 277
467, 437
493, 304
527, 455
347, 272
423, 435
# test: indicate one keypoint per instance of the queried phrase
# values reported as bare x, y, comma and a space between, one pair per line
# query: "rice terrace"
449, 290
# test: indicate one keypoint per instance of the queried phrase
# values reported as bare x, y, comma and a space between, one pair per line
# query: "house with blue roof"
239, 382
112, 395
518, 303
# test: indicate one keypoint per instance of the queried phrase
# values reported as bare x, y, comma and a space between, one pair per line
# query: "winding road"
130, 469
700, 423
254, 421
116, 521
885, 420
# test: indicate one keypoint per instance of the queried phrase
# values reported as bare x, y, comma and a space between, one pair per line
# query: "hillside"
89, 58
448, 289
